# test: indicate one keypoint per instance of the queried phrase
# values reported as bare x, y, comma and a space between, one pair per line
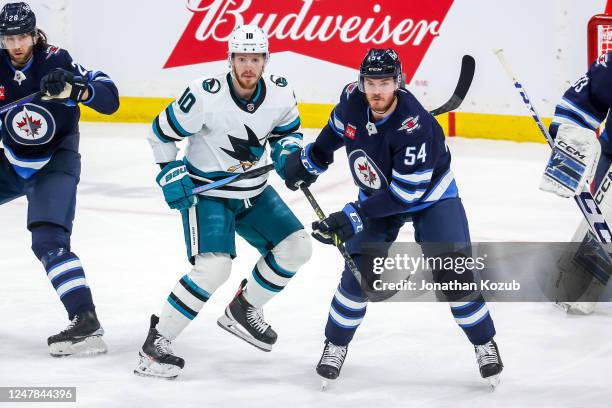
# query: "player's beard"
244, 85
377, 108
22, 59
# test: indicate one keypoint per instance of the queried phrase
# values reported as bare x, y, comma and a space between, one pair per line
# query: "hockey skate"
489, 362
330, 363
247, 322
83, 336
156, 358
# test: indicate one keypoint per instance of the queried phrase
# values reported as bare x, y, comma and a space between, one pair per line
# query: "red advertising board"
337, 31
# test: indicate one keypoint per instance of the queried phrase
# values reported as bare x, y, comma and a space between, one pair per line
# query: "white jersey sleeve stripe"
413, 178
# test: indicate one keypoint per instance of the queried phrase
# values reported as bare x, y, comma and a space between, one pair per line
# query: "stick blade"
466, 76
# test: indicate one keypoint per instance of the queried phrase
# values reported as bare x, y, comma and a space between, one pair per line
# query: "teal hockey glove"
177, 186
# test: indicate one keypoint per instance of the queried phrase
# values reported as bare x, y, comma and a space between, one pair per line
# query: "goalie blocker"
572, 162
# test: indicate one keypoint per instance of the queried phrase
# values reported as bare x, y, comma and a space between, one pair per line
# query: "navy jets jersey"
587, 102
401, 163
32, 133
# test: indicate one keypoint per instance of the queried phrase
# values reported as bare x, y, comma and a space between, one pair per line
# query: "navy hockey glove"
177, 186
301, 168
344, 224
62, 86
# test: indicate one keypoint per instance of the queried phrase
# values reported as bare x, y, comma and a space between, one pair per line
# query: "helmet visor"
11, 42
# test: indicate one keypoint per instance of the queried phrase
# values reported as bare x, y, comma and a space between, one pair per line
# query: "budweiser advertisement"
336, 31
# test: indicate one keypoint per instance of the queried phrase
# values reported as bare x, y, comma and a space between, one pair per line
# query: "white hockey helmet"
247, 39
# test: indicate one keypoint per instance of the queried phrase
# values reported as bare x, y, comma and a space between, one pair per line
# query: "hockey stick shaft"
233, 178
466, 75
19, 102
350, 263
585, 201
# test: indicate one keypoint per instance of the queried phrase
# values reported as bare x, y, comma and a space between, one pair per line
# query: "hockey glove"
281, 150
177, 186
62, 86
302, 168
343, 224
572, 162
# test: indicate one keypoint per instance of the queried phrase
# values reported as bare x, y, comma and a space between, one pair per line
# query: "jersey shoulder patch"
348, 91
54, 52
279, 81
211, 85
604, 59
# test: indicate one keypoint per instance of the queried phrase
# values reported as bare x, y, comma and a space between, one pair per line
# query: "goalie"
577, 159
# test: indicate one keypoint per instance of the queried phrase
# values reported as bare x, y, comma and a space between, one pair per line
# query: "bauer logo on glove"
177, 186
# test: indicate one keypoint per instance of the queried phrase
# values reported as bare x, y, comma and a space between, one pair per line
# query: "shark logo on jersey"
411, 124
366, 174
247, 152
31, 125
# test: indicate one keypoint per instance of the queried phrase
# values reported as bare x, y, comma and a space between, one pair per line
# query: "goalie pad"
572, 161
571, 272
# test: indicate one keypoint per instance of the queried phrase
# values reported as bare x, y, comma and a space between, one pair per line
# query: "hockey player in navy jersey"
577, 159
40, 160
398, 158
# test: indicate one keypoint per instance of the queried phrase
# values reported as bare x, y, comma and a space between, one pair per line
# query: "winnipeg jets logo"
411, 124
366, 174
247, 152
31, 125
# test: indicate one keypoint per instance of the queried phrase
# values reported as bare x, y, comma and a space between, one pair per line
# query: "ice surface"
413, 355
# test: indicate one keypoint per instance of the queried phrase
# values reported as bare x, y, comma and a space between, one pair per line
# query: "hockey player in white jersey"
227, 120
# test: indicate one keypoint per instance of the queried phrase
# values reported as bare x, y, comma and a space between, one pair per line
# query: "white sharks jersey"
226, 134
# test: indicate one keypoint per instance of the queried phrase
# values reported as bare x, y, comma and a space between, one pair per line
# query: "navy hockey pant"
444, 222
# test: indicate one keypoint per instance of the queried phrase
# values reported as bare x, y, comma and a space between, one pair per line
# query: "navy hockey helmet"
17, 18
380, 63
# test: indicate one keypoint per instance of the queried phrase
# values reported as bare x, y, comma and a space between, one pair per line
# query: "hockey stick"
587, 204
466, 75
235, 177
19, 102
585, 200
339, 244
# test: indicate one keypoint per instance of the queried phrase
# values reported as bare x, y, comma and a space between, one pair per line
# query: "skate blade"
234, 327
325, 384
150, 368
493, 381
579, 308
564, 307
88, 346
